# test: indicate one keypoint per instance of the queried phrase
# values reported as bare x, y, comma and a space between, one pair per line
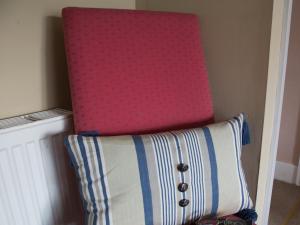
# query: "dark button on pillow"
184, 202
182, 187
182, 167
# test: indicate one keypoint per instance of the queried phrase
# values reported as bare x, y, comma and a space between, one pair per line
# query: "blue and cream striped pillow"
166, 178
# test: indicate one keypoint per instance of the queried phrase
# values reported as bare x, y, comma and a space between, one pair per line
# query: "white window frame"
280, 31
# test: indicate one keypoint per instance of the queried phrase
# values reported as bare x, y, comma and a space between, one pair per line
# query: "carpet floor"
285, 205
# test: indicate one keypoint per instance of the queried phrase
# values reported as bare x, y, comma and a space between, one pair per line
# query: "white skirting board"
37, 184
298, 174
288, 173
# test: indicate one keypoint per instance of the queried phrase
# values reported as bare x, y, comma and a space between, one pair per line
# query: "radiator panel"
37, 184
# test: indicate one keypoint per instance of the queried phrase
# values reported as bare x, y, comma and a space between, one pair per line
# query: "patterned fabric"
128, 62
138, 179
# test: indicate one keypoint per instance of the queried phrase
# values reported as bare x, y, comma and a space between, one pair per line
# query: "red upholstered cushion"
135, 71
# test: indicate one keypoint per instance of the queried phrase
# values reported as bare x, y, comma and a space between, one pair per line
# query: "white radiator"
37, 184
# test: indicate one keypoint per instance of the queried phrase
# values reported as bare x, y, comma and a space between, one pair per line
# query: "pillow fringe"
245, 133
247, 214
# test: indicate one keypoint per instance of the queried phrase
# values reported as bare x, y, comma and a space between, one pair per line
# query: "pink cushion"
135, 71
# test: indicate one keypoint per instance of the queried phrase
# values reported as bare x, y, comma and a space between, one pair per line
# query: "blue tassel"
247, 215
245, 133
93, 133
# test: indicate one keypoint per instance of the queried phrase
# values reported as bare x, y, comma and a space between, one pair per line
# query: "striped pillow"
166, 178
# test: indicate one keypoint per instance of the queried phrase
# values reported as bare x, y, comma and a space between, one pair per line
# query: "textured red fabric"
135, 71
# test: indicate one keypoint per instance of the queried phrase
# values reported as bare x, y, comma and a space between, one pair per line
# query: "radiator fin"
32, 117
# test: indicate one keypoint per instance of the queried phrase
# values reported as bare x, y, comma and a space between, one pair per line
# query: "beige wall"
33, 74
235, 33
236, 36
289, 137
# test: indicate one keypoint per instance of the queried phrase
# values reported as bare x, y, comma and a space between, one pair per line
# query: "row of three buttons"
182, 187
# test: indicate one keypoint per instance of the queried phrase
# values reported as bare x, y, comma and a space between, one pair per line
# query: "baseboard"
286, 172
298, 175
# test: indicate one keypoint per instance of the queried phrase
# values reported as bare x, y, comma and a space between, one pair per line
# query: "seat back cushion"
135, 71
163, 178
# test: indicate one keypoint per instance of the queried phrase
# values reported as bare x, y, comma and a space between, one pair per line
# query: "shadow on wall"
56, 84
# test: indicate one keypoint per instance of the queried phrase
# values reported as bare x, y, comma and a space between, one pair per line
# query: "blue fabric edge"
144, 178
214, 171
92, 133
75, 166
